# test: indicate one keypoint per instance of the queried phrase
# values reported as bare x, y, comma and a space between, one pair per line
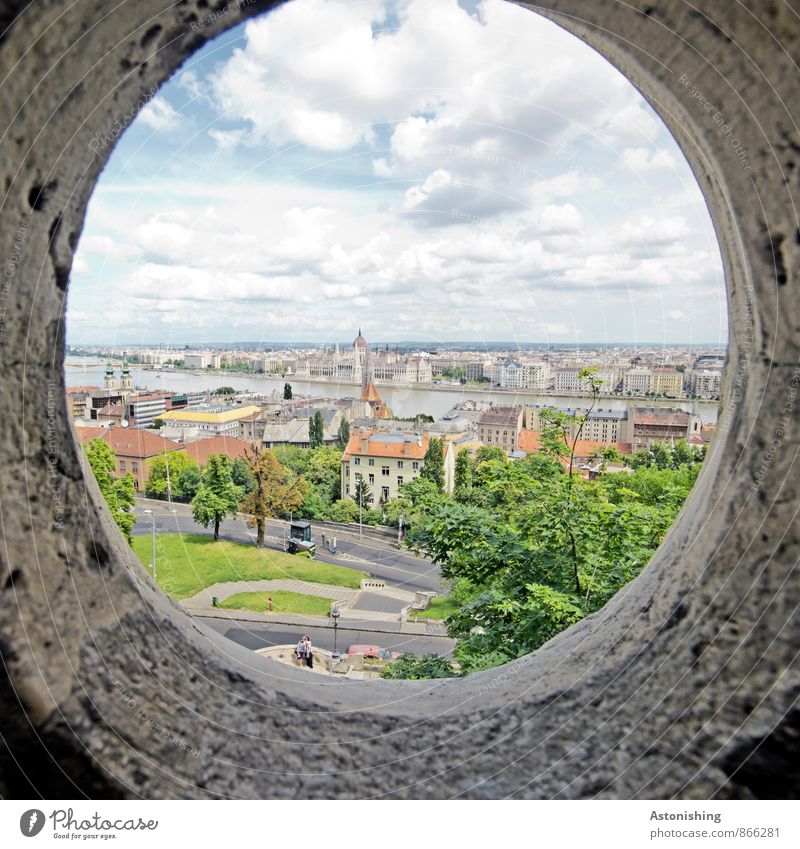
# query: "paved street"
381, 560
253, 636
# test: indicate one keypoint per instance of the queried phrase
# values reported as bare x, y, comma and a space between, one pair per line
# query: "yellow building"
209, 419
667, 381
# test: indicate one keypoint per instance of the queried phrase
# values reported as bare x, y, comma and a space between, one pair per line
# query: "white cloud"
560, 219
640, 159
159, 115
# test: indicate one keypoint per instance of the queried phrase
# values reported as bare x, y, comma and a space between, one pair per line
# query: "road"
380, 559
254, 635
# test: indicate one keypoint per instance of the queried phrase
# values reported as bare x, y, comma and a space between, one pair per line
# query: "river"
404, 401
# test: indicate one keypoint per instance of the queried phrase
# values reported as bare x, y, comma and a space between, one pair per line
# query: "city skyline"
421, 170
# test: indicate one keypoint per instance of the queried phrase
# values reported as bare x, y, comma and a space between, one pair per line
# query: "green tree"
276, 490
242, 476
287, 391
217, 496
324, 472
118, 493
165, 474
362, 494
433, 464
343, 434
316, 430
464, 468
189, 481
490, 452
345, 510
412, 667
225, 390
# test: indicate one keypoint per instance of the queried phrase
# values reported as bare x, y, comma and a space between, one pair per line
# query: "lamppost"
400, 530
153, 520
335, 614
360, 506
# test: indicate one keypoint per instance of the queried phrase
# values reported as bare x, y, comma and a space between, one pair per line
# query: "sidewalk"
203, 599
429, 629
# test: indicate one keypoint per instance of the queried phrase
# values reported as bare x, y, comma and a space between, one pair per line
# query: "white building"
637, 381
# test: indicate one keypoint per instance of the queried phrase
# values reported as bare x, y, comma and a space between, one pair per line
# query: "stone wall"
685, 685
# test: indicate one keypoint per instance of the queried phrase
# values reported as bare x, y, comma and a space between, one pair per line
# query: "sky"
427, 170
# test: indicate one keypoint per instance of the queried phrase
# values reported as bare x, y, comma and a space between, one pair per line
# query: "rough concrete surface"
685, 685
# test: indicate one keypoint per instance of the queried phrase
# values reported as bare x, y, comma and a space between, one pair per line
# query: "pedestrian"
300, 651
309, 653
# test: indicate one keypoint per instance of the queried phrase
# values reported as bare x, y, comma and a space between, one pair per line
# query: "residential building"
601, 425
209, 419
134, 449
501, 426
663, 424
637, 381
667, 381
384, 460
704, 383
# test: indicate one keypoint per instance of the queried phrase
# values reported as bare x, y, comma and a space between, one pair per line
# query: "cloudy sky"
430, 170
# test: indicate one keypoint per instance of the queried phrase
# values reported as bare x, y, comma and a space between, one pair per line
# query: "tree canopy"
217, 496
118, 493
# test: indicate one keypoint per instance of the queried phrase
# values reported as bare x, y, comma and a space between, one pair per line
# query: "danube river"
404, 401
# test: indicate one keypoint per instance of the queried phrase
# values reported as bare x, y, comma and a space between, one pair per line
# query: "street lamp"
360, 506
400, 530
153, 520
335, 614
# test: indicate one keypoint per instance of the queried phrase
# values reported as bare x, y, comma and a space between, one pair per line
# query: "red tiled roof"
227, 445
379, 448
529, 441
129, 441
660, 416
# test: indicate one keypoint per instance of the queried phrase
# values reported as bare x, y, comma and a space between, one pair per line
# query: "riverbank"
436, 399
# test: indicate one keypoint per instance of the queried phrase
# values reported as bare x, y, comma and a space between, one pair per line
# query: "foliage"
217, 496
118, 493
292, 457
490, 452
394, 509
362, 494
316, 430
462, 483
275, 490
669, 456
412, 667
224, 390
189, 481
344, 510
343, 434
242, 476
287, 391
171, 465
534, 549
188, 563
433, 464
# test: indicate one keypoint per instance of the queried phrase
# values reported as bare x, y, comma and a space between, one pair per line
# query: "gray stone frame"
685, 685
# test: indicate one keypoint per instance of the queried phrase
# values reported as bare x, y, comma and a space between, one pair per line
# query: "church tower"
126, 381
109, 382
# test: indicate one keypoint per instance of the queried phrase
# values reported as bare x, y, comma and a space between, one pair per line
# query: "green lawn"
282, 602
188, 563
439, 608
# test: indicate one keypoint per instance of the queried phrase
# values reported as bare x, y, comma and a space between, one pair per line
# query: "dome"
360, 341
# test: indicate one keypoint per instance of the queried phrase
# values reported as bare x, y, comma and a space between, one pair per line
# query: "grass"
439, 608
282, 602
188, 563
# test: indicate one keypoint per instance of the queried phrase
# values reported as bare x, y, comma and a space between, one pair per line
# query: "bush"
411, 667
